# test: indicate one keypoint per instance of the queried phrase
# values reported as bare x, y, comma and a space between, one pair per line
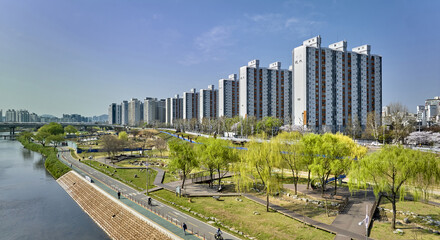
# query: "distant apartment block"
10, 116
208, 103
173, 109
124, 113
112, 113
265, 92
154, 110
334, 87
1, 115
134, 112
191, 104
429, 113
228, 97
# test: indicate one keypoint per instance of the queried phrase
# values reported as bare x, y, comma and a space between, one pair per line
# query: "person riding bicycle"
218, 234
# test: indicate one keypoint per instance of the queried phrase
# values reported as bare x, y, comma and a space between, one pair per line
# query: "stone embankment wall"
116, 219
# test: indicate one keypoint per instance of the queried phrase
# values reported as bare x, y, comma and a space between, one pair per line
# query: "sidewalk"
165, 216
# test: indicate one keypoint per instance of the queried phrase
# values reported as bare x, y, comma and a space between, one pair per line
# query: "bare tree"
373, 126
161, 145
400, 121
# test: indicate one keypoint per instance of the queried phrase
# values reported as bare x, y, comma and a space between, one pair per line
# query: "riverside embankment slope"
116, 219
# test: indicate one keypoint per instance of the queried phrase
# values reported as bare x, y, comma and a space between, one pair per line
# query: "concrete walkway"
164, 215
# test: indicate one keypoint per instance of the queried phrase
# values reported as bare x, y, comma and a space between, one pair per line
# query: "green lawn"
126, 175
382, 230
240, 215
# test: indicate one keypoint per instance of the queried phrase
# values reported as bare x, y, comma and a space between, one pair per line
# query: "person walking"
184, 227
119, 195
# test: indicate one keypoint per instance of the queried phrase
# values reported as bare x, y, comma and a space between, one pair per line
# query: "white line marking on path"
179, 214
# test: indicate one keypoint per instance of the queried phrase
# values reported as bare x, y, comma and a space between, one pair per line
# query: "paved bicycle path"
132, 197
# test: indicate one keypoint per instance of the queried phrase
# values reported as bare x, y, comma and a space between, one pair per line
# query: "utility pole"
146, 169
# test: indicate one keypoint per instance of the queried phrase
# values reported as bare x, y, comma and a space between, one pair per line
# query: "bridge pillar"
11, 131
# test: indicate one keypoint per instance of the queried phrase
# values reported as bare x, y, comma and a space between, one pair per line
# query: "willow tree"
323, 149
429, 174
309, 144
183, 158
258, 163
341, 154
389, 170
290, 153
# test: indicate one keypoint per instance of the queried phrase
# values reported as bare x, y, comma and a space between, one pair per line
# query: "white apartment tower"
124, 113
150, 105
174, 109
191, 104
228, 96
208, 103
333, 87
134, 112
265, 91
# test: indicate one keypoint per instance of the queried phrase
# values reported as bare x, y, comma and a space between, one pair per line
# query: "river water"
33, 205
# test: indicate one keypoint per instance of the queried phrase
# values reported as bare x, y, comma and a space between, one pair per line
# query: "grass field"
126, 175
240, 215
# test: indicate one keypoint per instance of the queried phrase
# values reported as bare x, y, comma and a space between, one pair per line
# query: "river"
33, 205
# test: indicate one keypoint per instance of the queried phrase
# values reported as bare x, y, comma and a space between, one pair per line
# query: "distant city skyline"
78, 56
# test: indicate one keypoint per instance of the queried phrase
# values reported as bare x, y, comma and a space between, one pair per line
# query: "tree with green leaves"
183, 158
390, 170
342, 153
55, 139
310, 152
70, 129
205, 158
27, 136
123, 136
258, 163
290, 151
52, 128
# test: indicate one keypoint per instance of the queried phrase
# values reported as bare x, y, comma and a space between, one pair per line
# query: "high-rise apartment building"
11, 116
191, 104
124, 113
154, 110
265, 91
112, 113
208, 103
161, 111
174, 109
150, 110
134, 112
429, 113
333, 87
1, 115
228, 97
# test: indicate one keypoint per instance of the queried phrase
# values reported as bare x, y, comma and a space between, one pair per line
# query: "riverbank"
115, 218
52, 164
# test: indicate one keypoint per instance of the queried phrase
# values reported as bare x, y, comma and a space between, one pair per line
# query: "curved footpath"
163, 215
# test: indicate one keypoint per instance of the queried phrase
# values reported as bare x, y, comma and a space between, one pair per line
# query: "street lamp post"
146, 170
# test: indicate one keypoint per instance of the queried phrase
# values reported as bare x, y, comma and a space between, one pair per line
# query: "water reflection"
26, 153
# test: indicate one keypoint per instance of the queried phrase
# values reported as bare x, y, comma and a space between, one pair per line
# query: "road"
201, 228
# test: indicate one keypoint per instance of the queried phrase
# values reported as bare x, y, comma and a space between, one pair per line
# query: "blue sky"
79, 56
